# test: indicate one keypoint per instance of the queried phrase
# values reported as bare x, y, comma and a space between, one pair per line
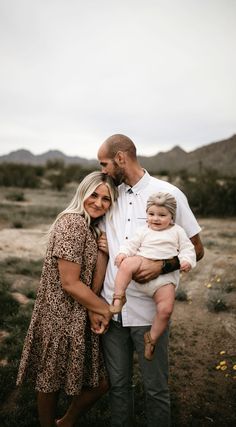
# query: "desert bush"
17, 224
216, 302
211, 195
23, 266
9, 306
16, 196
57, 180
30, 293
181, 295
29, 215
76, 173
21, 176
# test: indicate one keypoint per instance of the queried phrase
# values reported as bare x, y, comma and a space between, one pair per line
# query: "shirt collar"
140, 185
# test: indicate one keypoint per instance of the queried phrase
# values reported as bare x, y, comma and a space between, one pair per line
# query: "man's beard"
119, 176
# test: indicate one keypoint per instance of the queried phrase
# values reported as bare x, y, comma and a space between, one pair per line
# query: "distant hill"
27, 158
219, 155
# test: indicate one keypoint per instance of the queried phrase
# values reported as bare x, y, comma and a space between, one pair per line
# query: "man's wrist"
170, 265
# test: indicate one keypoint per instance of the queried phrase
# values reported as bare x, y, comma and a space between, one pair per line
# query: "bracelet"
170, 265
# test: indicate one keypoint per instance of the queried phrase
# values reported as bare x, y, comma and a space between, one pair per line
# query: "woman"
60, 351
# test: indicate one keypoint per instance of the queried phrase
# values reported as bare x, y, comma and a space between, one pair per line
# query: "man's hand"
148, 270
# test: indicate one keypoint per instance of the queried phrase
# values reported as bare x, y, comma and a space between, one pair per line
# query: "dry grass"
202, 341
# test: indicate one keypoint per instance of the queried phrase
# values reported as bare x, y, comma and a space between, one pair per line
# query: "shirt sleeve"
184, 215
186, 248
69, 238
131, 247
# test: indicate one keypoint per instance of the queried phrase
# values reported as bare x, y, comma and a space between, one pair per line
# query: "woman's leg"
164, 298
128, 267
82, 403
47, 403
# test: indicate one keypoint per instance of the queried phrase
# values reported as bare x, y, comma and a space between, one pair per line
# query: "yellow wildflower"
234, 367
222, 352
209, 286
223, 368
223, 362
218, 367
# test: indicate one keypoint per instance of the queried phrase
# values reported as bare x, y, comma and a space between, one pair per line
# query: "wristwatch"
170, 265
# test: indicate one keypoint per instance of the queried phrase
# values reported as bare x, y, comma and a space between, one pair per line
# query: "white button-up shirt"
129, 213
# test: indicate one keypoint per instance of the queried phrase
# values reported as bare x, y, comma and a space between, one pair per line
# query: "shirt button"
126, 238
130, 203
128, 219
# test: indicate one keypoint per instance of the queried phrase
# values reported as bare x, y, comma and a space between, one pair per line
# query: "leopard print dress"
60, 351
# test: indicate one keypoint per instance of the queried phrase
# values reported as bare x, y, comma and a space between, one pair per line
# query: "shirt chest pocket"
141, 221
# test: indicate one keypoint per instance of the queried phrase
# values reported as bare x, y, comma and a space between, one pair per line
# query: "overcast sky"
74, 72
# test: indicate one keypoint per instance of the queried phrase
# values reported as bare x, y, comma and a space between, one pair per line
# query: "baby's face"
158, 217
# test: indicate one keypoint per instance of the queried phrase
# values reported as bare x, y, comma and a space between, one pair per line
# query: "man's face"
110, 167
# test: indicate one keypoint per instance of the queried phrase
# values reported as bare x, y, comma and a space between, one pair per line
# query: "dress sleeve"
69, 238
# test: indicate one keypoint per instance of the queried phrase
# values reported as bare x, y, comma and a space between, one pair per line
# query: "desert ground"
203, 327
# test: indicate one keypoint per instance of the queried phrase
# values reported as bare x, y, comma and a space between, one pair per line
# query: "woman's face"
99, 202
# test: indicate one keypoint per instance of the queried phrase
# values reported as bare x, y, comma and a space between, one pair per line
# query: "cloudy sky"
74, 72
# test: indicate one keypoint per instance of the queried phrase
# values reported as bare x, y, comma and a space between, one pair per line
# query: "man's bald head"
119, 142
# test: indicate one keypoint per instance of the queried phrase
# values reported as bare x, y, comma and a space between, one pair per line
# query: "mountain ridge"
219, 155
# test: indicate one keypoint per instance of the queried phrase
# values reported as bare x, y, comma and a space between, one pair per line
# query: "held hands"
99, 323
119, 258
102, 243
185, 266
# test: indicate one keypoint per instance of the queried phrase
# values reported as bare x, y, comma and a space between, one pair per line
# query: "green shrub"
17, 224
181, 295
16, 196
16, 265
216, 302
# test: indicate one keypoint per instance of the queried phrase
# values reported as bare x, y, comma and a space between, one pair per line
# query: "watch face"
168, 267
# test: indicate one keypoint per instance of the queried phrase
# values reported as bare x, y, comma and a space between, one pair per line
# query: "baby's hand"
119, 258
185, 266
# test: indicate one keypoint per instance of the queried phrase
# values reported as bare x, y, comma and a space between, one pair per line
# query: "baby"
159, 239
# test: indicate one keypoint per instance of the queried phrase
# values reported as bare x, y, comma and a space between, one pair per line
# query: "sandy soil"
203, 393
22, 243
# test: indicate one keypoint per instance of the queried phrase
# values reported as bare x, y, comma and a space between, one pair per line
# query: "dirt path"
25, 243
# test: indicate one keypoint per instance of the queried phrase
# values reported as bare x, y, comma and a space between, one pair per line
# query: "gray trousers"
118, 344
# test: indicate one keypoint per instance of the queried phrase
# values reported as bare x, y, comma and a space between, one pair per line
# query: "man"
117, 157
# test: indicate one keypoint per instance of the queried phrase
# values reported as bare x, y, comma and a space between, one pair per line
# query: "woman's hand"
99, 323
102, 243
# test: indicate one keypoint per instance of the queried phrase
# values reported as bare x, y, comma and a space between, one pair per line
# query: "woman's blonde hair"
84, 190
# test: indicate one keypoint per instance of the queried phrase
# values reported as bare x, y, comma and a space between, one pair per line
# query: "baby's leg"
164, 298
127, 268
